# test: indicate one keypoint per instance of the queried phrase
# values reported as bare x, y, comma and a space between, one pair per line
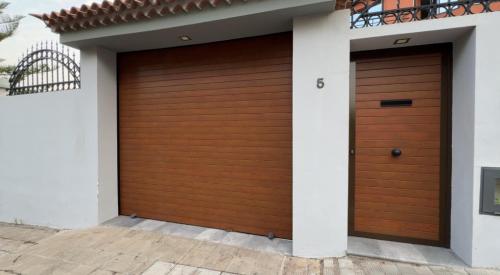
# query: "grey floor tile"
283, 246
359, 246
180, 230
212, 235
236, 239
188, 231
148, 225
400, 251
404, 252
439, 256
123, 221
168, 228
259, 243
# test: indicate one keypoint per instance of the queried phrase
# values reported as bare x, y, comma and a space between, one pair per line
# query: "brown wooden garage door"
205, 135
401, 104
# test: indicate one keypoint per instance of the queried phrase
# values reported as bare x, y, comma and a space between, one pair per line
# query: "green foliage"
41, 69
6, 69
8, 24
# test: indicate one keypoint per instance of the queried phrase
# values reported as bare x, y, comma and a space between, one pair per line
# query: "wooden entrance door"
400, 146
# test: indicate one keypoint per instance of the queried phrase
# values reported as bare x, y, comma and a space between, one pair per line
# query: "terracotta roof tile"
122, 11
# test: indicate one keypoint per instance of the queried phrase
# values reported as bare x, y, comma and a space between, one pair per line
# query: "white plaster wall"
48, 160
58, 151
486, 241
420, 32
464, 53
320, 135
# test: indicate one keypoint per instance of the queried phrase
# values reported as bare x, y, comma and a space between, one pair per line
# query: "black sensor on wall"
490, 191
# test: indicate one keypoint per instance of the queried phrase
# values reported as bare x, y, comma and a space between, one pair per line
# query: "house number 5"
320, 83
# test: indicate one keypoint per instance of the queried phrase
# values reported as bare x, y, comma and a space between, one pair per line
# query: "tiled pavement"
119, 250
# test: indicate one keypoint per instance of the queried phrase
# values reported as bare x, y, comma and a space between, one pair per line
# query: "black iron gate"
46, 67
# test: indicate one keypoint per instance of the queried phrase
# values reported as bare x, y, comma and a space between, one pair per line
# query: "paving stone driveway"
111, 250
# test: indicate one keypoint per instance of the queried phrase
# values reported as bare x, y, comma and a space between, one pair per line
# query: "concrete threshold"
218, 236
403, 252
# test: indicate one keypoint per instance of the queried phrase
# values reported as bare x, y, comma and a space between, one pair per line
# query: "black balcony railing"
366, 13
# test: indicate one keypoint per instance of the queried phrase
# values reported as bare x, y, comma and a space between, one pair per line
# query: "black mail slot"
396, 103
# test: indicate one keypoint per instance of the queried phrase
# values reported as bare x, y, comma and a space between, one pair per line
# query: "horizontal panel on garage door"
205, 135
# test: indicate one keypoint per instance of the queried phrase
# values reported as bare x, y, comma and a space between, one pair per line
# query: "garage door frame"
118, 66
445, 142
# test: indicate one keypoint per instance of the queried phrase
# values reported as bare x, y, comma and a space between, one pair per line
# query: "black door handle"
396, 152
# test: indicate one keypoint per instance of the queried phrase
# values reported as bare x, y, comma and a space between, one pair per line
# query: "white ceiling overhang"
234, 21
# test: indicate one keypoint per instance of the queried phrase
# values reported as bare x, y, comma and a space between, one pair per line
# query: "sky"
31, 30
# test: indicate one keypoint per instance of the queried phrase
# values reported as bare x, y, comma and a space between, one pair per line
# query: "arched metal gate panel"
45, 68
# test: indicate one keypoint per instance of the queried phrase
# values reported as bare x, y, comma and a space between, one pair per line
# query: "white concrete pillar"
107, 129
98, 69
486, 239
320, 135
463, 145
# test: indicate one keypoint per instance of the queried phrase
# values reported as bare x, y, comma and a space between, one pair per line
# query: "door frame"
445, 143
